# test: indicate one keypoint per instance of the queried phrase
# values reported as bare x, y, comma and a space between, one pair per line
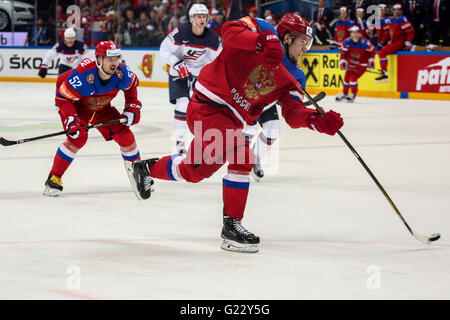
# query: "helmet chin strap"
100, 67
286, 47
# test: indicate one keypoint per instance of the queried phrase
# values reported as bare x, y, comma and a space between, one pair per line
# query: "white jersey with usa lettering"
196, 51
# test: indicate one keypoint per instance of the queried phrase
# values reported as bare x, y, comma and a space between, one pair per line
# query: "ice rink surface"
327, 231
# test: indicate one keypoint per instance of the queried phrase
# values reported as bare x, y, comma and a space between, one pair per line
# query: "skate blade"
130, 174
255, 177
51, 192
382, 81
350, 101
229, 245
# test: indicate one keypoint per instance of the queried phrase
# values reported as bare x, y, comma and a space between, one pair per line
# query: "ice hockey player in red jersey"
401, 35
84, 96
357, 55
231, 91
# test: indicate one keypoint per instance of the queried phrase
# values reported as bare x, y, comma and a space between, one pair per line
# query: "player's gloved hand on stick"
329, 123
132, 112
182, 69
343, 64
270, 46
73, 128
42, 71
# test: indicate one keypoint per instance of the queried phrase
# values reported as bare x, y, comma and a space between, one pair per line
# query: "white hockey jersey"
196, 51
69, 56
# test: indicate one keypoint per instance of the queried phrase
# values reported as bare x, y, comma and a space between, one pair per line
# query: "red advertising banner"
423, 73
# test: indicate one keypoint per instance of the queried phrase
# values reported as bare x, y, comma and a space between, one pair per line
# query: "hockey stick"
5, 142
367, 70
419, 237
317, 98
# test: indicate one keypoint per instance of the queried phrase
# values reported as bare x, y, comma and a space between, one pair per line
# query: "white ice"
327, 231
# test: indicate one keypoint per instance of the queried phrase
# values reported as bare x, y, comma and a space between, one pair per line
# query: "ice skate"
257, 172
350, 98
53, 186
341, 97
237, 238
139, 174
383, 77
181, 147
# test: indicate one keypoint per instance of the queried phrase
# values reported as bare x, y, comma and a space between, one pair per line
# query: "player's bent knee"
124, 137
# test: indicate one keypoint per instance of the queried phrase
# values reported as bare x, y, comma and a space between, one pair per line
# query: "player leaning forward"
84, 96
231, 91
187, 49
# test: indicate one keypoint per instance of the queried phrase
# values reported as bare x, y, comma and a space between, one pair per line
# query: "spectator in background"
342, 25
38, 35
253, 12
362, 23
357, 4
439, 16
127, 6
130, 28
415, 11
142, 6
212, 23
322, 18
272, 20
143, 31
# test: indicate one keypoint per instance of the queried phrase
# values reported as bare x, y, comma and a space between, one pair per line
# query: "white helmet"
70, 33
198, 8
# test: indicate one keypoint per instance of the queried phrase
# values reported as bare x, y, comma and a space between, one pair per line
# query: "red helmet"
107, 49
295, 25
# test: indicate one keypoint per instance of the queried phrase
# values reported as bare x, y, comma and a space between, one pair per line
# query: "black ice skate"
53, 186
351, 97
257, 171
181, 147
383, 77
237, 238
139, 174
341, 96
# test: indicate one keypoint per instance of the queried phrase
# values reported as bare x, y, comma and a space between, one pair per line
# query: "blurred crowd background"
145, 23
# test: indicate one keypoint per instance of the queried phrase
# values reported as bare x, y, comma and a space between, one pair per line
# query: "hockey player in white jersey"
187, 49
70, 51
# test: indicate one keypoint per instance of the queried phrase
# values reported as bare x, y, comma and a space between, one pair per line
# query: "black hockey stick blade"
5, 142
317, 98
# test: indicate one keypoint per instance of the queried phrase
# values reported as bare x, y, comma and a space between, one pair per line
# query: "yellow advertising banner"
323, 73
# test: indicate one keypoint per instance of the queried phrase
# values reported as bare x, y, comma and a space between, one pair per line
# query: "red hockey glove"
182, 69
132, 112
73, 128
42, 71
270, 46
330, 123
344, 64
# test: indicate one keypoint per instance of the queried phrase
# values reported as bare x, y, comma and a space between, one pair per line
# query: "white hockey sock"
179, 123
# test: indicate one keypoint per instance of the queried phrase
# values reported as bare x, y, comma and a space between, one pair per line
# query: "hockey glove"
132, 112
182, 69
343, 64
408, 45
73, 128
329, 123
42, 71
270, 46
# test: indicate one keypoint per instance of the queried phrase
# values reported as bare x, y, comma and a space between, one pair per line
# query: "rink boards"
417, 75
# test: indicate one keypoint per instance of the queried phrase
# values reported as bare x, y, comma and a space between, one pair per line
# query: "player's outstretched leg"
236, 237
140, 177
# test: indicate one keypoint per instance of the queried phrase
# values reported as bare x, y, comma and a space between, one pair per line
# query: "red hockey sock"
383, 64
166, 168
346, 88
63, 158
235, 192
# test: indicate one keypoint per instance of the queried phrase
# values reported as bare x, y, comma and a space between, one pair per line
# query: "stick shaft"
355, 153
87, 128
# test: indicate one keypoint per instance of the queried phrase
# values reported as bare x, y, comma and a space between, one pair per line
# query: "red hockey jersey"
238, 78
